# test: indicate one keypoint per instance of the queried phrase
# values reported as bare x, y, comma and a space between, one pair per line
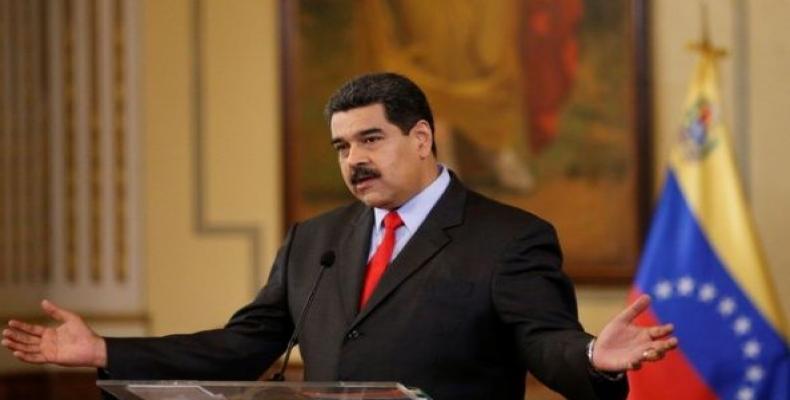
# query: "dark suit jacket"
473, 301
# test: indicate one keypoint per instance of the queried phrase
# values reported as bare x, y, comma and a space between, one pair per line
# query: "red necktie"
381, 258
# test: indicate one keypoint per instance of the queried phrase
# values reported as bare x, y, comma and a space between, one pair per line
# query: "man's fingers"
16, 346
658, 332
657, 349
21, 337
35, 330
666, 344
651, 355
57, 313
632, 311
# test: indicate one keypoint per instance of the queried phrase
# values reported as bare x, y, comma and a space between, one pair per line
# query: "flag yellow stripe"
711, 187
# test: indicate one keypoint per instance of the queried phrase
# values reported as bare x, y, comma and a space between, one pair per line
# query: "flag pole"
705, 45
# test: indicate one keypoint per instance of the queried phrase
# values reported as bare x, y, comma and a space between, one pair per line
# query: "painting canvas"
535, 104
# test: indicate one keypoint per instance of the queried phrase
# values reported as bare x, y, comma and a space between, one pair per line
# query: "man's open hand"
70, 343
622, 345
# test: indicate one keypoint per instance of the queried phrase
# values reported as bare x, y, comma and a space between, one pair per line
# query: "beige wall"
199, 268
770, 119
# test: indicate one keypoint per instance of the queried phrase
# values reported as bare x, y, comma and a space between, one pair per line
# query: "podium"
256, 390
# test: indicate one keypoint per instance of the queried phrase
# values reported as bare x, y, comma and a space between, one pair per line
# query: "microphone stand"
327, 259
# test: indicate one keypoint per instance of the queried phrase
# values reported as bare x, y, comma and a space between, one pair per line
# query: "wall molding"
251, 232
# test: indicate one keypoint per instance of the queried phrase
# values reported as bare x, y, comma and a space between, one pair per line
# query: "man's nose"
357, 155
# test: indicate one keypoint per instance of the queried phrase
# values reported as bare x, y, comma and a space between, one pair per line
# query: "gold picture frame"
540, 104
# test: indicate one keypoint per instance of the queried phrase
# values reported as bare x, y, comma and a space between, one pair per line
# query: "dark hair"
404, 102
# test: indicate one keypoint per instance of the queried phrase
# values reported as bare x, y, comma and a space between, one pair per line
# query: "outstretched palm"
623, 345
71, 343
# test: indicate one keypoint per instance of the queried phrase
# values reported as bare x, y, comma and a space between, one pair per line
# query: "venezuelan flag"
703, 266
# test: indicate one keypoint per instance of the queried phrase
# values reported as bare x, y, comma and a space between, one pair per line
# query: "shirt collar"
414, 211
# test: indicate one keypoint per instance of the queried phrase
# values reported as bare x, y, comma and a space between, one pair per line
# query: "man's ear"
422, 133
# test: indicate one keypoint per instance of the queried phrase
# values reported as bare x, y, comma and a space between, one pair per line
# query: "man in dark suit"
433, 285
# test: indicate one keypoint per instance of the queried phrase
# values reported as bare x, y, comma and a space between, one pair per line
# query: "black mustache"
359, 174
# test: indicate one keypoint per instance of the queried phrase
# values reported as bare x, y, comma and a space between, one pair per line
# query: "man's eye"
371, 139
340, 147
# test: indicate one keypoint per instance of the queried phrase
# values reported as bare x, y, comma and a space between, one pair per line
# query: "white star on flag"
755, 373
707, 293
663, 290
726, 306
745, 394
751, 349
742, 325
686, 286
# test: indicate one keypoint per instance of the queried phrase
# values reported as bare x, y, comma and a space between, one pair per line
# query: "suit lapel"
429, 239
352, 262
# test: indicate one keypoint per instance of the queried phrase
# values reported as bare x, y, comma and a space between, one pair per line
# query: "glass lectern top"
205, 390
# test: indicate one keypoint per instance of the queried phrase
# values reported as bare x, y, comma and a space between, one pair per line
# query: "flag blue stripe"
727, 340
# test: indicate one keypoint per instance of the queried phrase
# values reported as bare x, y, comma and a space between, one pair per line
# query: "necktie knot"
392, 220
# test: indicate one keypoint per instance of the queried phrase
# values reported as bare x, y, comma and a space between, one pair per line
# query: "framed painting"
541, 104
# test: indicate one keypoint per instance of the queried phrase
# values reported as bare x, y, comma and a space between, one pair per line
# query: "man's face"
380, 165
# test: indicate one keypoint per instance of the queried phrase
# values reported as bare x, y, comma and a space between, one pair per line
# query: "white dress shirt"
412, 213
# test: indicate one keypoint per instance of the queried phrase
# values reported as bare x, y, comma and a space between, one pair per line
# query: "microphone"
327, 259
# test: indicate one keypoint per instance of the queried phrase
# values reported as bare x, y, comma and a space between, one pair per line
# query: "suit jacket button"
352, 335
